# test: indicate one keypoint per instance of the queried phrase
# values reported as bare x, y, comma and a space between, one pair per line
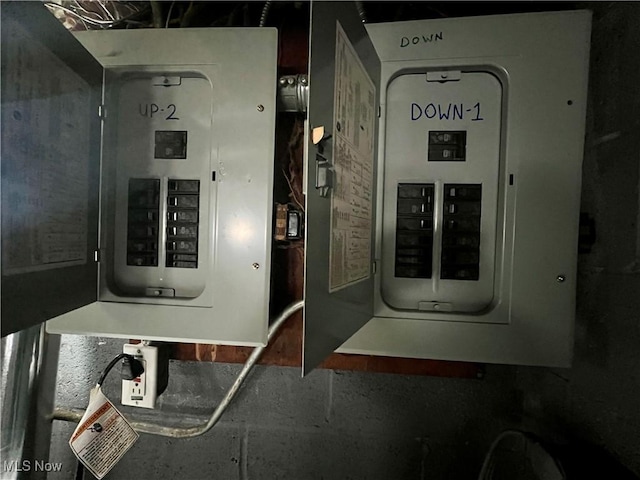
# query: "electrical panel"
472, 244
187, 185
156, 149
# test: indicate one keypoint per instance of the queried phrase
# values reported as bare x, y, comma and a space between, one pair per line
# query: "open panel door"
51, 93
344, 73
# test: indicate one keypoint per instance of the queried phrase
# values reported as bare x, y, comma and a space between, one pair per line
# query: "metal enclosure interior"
186, 185
478, 189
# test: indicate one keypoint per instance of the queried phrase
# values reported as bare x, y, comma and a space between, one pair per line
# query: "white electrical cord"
75, 414
533, 455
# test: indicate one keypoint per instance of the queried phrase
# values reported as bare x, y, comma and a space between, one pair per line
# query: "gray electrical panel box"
443, 186
180, 176
443, 177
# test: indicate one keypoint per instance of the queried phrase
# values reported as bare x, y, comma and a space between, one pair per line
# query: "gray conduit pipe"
265, 13
361, 11
75, 414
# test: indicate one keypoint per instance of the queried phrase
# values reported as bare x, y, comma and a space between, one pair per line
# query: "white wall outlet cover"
143, 390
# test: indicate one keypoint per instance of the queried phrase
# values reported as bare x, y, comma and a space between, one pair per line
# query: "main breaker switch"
447, 146
170, 145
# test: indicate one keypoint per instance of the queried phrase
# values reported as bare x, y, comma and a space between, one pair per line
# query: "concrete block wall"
598, 400
329, 425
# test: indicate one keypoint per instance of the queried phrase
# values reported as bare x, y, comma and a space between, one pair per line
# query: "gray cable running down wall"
75, 414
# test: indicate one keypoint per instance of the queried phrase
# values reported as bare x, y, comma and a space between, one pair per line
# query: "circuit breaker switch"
142, 222
460, 258
414, 230
183, 204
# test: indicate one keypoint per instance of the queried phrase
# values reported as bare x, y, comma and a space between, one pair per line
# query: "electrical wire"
75, 414
112, 364
92, 21
106, 10
166, 24
489, 463
297, 134
293, 193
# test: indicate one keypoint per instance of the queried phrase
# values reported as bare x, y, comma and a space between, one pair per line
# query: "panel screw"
256, 266
560, 278
261, 108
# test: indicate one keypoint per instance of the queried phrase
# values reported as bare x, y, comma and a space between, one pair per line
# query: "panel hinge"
102, 111
379, 111
96, 256
374, 268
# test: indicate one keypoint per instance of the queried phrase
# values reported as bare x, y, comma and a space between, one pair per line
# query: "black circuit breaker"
461, 232
414, 230
461, 209
447, 146
183, 201
142, 222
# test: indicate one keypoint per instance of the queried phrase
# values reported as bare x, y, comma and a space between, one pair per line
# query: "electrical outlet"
143, 390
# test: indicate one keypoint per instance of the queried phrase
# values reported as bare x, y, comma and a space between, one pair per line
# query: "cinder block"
213, 456
81, 361
427, 407
277, 396
326, 454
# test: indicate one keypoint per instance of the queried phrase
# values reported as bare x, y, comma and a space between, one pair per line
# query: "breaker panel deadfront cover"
178, 126
454, 234
187, 185
441, 190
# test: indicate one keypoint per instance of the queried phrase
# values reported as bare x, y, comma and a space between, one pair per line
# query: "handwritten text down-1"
446, 111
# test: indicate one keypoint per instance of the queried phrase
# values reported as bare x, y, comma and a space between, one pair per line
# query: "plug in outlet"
142, 391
